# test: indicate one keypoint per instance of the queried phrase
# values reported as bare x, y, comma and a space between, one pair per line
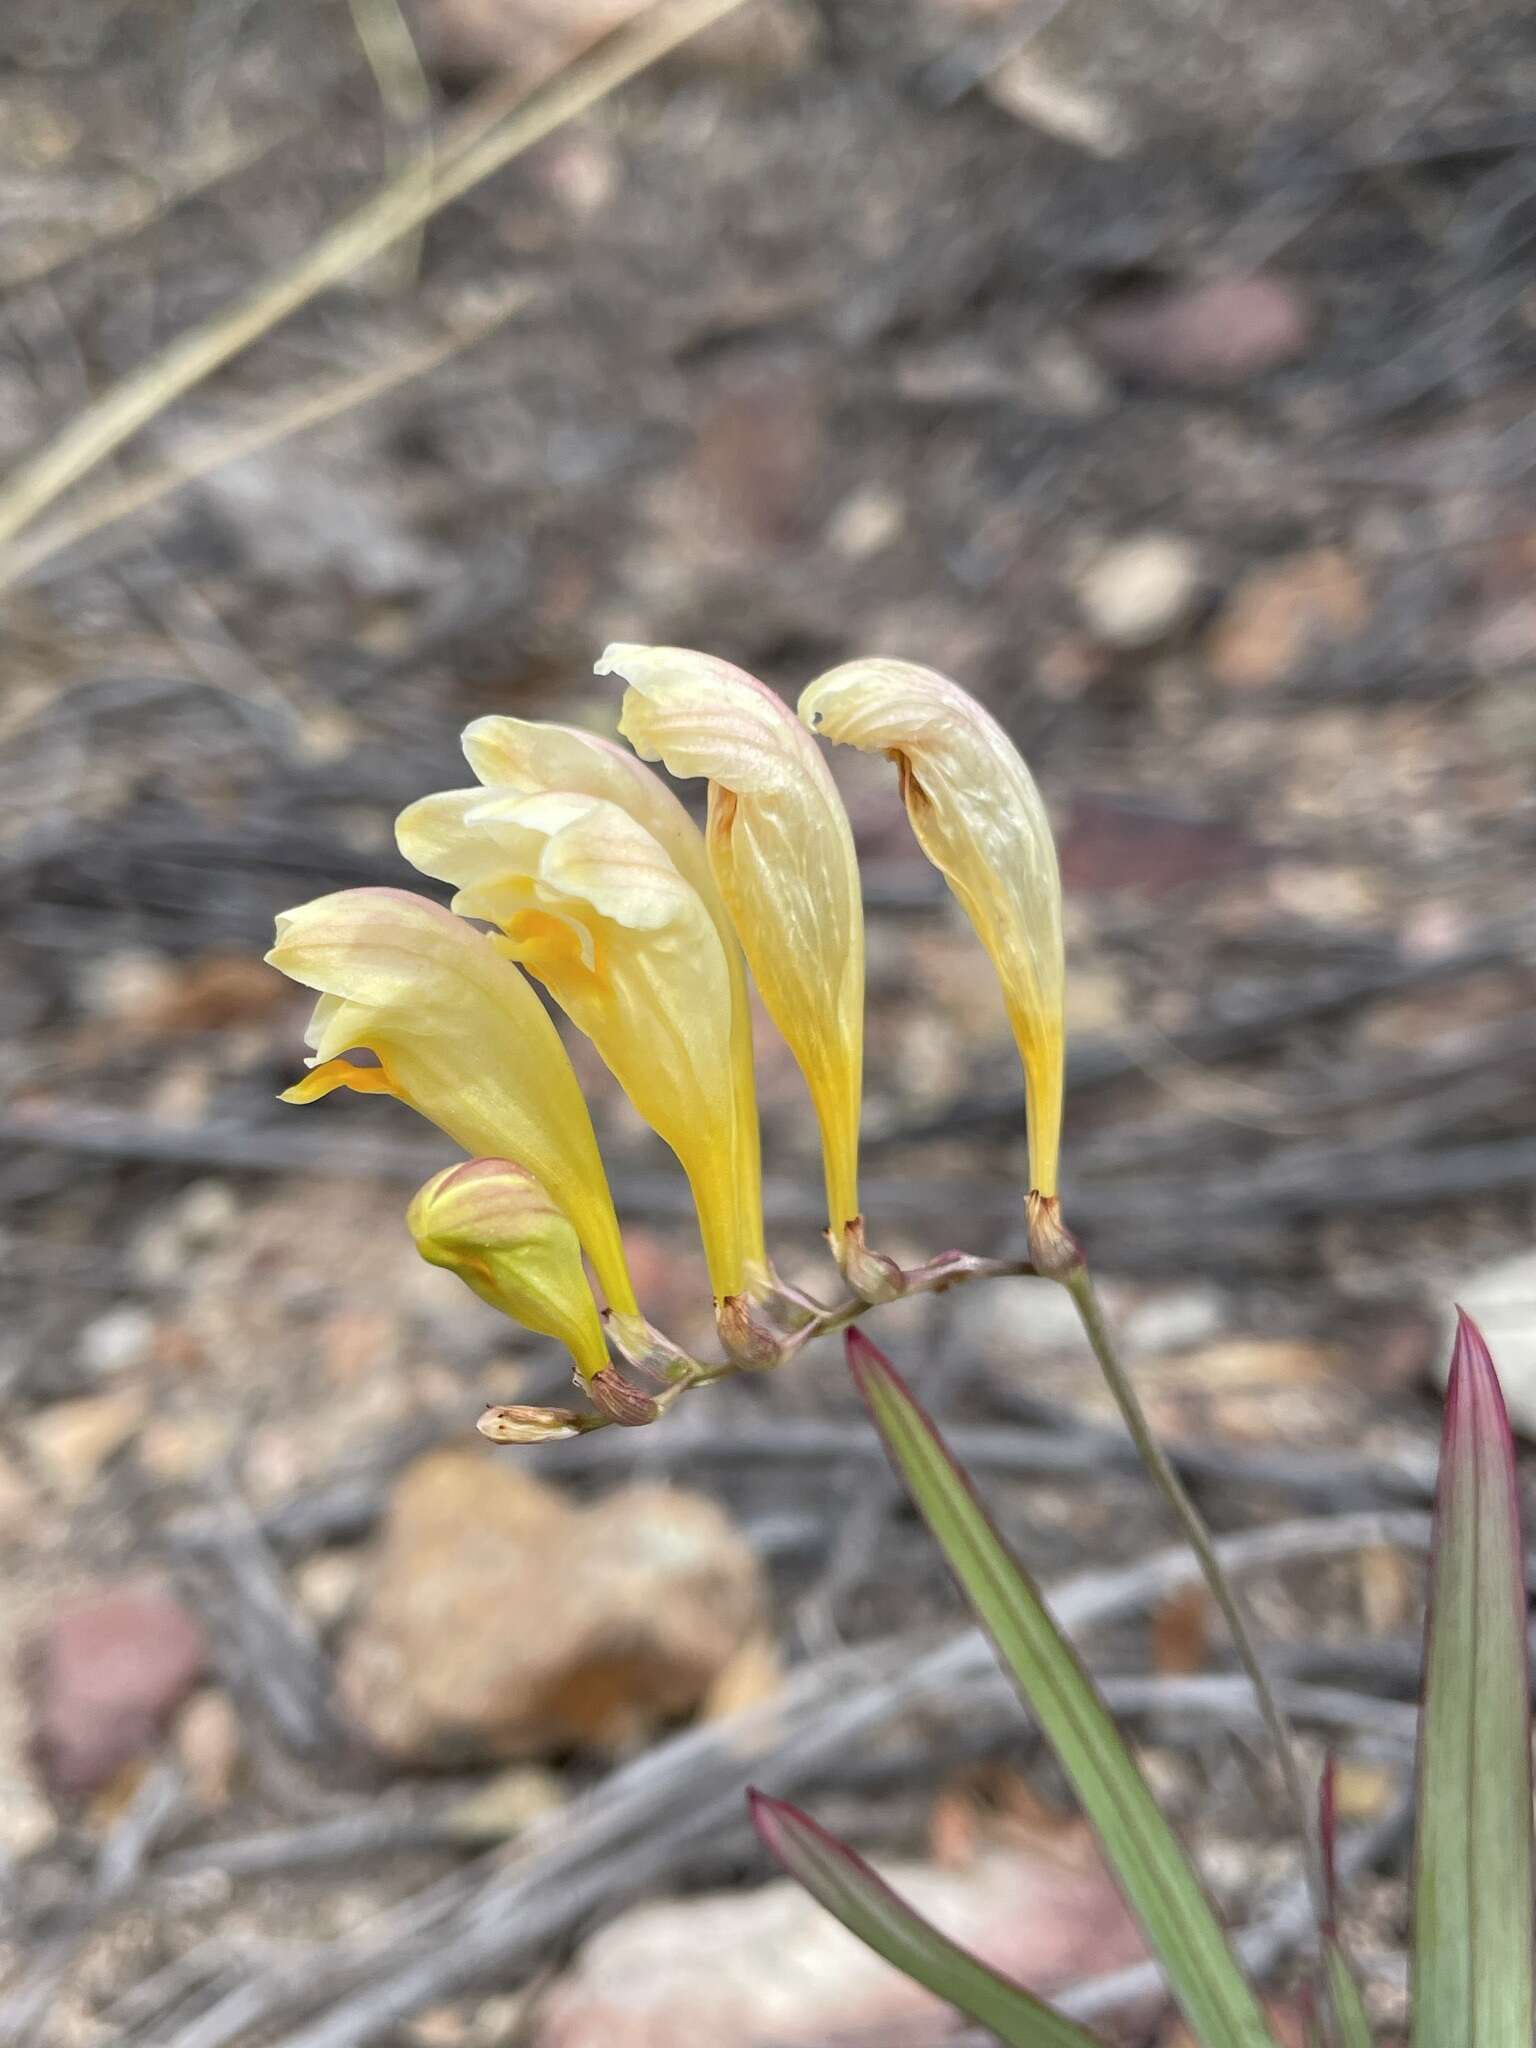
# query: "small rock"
1139, 590
126, 985
108, 1674
867, 520
1211, 336
1501, 1300
782, 1971
1174, 1320
505, 1622
507, 1804
1281, 613
216, 992
758, 451
1110, 844
994, 1323
70, 1441
27, 1820
1035, 91
208, 1742
178, 1447
112, 1342
328, 1584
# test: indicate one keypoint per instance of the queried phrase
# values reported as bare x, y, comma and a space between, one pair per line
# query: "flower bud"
528, 1425
491, 1223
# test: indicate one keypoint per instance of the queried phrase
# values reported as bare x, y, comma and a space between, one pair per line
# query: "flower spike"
782, 853
979, 818
491, 1223
461, 1037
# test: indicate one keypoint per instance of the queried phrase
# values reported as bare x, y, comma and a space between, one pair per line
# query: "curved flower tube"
520, 756
491, 1223
782, 853
592, 905
979, 818
461, 1037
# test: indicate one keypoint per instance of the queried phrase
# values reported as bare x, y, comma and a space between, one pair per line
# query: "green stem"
1079, 1284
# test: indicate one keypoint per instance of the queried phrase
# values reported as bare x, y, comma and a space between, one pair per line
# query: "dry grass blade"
487, 135
296, 415
406, 92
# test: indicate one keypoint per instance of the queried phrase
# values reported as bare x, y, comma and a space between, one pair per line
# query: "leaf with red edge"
1153, 1871
839, 1879
1472, 1910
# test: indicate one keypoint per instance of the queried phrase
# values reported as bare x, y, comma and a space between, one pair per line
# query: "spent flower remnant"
461, 1037
979, 818
782, 853
592, 905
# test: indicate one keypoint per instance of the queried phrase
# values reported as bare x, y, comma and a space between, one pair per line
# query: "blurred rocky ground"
1165, 374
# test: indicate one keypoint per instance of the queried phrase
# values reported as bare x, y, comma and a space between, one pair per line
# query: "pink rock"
1208, 336
770, 1967
109, 1672
1110, 844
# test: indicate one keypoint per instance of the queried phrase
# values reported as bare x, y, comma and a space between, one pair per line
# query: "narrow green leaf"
1353, 2028
1472, 1910
843, 1882
1153, 1871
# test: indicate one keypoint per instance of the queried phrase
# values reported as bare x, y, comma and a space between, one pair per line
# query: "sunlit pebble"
867, 521
580, 172
125, 984
1431, 930
113, 1342
1139, 589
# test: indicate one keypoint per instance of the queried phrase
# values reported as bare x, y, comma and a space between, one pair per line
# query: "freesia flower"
979, 818
591, 903
522, 757
491, 1223
782, 853
459, 1035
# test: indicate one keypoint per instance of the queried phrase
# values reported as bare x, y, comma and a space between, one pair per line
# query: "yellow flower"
461, 1037
523, 757
978, 817
593, 906
491, 1223
782, 854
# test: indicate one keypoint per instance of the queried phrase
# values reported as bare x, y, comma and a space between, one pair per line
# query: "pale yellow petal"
462, 1038
529, 757
782, 853
652, 991
979, 818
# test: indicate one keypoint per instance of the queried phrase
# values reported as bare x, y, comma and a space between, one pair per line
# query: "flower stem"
1079, 1284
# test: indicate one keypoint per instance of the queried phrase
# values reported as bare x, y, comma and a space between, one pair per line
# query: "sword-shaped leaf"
1154, 1873
1472, 1916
